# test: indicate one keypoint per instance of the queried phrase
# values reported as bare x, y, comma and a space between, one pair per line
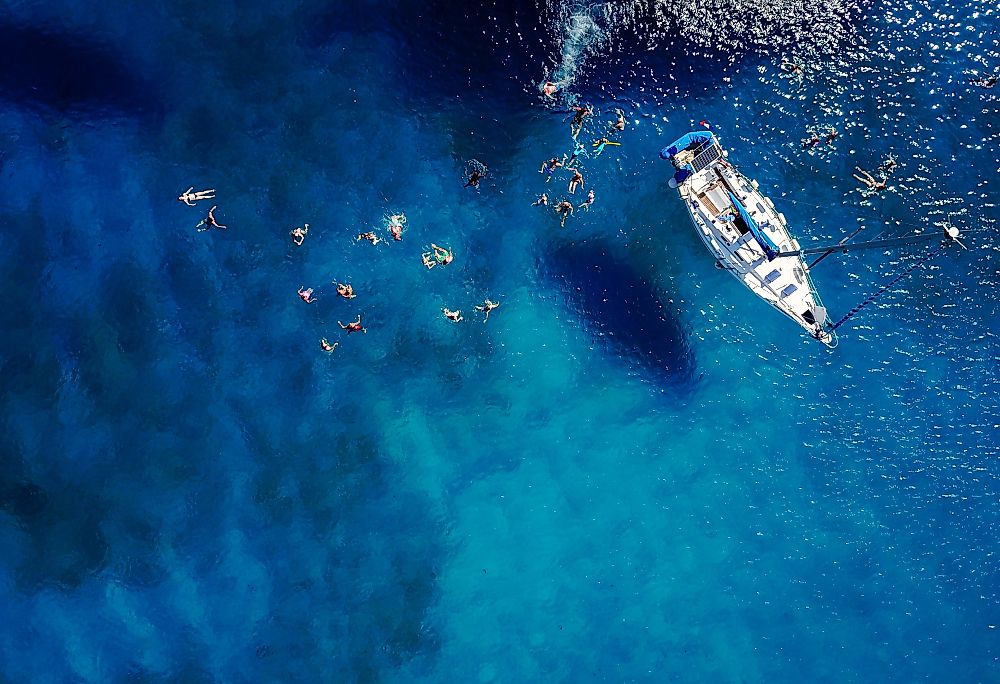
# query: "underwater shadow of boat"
616, 302
71, 75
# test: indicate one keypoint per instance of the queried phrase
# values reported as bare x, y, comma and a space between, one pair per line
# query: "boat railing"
706, 157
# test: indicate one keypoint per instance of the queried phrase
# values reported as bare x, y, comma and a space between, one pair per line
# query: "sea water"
634, 471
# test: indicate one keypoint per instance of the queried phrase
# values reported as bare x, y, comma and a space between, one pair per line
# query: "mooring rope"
871, 298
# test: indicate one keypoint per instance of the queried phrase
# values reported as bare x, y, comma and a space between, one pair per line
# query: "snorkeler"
370, 236
441, 255
590, 200
345, 291
454, 316
543, 200
396, 223
209, 221
299, 234
867, 179
565, 210
487, 306
353, 327
326, 346
576, 181
580, 113
619, 123
306, 295
189, 198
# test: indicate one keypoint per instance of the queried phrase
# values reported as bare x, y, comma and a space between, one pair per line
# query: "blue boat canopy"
700, 138
766, 243
694, 139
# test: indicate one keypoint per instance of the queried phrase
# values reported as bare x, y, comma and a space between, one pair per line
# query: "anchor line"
871, 298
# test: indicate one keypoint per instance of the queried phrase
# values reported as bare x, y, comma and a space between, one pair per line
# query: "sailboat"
745, 233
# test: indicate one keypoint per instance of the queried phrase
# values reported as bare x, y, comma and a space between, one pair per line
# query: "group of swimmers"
571, 162
437, 256
871, 184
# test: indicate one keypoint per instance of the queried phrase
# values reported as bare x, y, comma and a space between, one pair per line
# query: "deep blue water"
633, 472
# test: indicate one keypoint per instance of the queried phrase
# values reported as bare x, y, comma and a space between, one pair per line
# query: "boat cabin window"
788, 290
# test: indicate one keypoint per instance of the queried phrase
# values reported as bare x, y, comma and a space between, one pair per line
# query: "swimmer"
370, 236
790, 67
189, 198
345, 290
580, 113
454, 316
487, 307
299, 234
565, 210
441, 255
209, 221
588, 201
326, 346
578, 149
396, 223
543, 200
984, 81
888, 166
550, 166
867, 179
576, 181
474, 178
619, 123
812, 141
549, 90
428, 259
831, 136
306, 295
353, 327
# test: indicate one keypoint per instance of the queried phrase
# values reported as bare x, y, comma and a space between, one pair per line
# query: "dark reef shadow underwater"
617, 303
72, 74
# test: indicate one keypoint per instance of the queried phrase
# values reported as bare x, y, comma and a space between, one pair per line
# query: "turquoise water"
633, 472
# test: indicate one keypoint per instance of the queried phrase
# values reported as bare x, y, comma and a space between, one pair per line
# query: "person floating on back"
299, 234
590, 200
189, 198
869, 182
576, 181
353, 327
454, 316
549, 90
209, 221
306, 295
